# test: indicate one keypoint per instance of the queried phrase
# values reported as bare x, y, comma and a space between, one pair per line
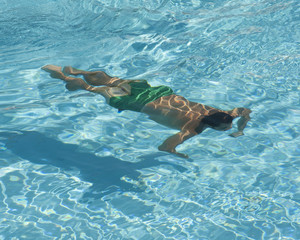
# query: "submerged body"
141, 93
159, 103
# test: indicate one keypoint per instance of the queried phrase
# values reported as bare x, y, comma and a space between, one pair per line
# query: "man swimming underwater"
159, 103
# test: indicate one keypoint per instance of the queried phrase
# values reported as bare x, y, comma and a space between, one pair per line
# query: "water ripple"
73, 168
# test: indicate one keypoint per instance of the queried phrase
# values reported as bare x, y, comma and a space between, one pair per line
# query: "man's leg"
73, 83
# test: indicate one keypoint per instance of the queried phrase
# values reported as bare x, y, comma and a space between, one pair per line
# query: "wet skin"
173, 111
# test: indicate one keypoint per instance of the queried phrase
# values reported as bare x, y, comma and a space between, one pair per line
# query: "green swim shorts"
141, 94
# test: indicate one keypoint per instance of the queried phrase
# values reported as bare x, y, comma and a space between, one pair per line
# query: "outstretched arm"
172, 142
244, 113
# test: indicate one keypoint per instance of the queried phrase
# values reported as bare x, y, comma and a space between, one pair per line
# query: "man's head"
219, 121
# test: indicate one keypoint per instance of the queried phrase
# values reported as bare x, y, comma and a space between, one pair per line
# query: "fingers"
236, 134
173, 151
182, 155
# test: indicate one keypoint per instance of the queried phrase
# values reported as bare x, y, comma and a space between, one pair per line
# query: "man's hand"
182, 155
236, 134
173, 141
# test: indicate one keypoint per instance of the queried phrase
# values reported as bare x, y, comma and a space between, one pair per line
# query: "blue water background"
71, 167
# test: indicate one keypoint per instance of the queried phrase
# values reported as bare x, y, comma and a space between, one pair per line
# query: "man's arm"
244, 113
172, 142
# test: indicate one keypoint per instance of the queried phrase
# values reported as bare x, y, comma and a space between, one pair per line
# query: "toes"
55, 71
44, 67
47, 68
51, 68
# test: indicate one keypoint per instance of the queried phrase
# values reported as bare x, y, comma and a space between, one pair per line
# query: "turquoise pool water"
71, 167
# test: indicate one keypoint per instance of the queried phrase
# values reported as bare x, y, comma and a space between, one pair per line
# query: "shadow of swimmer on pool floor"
105, 173
159, 103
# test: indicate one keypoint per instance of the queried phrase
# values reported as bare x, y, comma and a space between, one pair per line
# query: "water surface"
71, 167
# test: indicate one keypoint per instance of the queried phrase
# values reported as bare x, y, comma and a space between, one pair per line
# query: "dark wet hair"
216, 119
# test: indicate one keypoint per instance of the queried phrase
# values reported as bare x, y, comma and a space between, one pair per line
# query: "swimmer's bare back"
172, 110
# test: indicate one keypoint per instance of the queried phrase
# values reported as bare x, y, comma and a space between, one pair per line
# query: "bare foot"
72, 83
96, 78
75, 84
72, 71
55, 71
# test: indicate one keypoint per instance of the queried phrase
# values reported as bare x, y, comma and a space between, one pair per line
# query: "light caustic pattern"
71, 167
